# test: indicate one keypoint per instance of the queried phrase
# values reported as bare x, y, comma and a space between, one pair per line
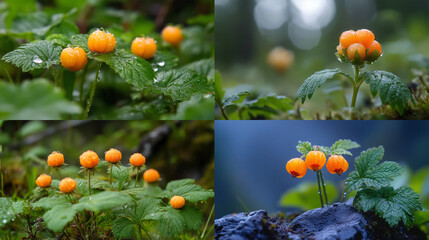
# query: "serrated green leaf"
59, 40
265, 105
390, 88
193, 218
204, 67
181, 85
392, 205
50, 202
303, 147
120, 173
179, 183
303, 196
316, 81
164, 61
81, 40
134, 70
36, 99
197, 108
236, 95
171, 222
325, 150
102, 201
124, 228
344, 144
58, 217
30, 56
368, 159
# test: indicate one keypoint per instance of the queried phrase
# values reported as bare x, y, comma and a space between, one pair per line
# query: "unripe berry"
172, 35
144, 47
365, 37
340, 50
356, 48
347, 38
55, 159
177, 202
113, 155
101, 42
151, 175
67, 185
74, 59
374, 46
315, 160
89, 159
337, 164
280, 59
137, 160
44, 181
296, 167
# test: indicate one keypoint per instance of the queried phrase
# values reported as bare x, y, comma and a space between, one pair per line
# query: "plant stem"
219, 103
146, 232
59, 173
207, 223
111, 170
356, 87
137, 177
89, 182
320, 190
91, 97
8, 76
324, 188
342, 194
54, 73
82, 81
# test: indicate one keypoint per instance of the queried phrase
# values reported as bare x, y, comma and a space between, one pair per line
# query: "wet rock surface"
338, 221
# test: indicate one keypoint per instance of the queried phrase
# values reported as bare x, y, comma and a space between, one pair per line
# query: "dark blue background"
251, 155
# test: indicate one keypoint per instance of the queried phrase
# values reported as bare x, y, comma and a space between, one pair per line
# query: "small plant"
359, 48
371, 180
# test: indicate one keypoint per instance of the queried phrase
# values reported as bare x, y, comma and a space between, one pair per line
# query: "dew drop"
4, 220
155, 80
155, 69
161, 63
36, 59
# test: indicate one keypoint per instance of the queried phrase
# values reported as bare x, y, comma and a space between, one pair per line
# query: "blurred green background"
247, 30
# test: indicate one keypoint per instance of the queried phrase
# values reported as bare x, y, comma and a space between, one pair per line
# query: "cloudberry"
67, 185
172, 35
89, 159
337, 164
374, 46
340, 50
296, 167
137, 160
151, 175
101, 42
44, 181
315, 160
365, 37
144, 47
55, 159
177, 202
113, 155
347, 38
356, 48
280, 59
74, 59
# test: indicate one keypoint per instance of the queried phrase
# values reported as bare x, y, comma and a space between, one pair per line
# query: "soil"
338, 221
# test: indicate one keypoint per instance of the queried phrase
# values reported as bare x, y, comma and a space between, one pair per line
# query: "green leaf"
31, 128
179, 183
164, 61
102, 201
344, 144
204, 67
132, 69
265, 106
392, 205
316, 81
59, 40
303, 147
30, 56
369, 174
181, 85
50, 202
421, 217
219, 91
236, 95
193, 218
305, 196
81, 40
197, 108
120, 173
36, 99
171, 222
124, 228
390, 88
58, 217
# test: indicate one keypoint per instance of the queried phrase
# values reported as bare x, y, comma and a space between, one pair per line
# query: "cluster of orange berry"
315, 160
358, 47
74, 59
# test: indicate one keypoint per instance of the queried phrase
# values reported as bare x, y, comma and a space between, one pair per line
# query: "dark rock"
336, 222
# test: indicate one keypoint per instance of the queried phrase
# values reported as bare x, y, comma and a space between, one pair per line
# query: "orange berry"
347, 38
172, 35
296, 167
44, 181
356, 47
315, 160
74, 59
177, 202
137, 160
101, 42
340, 49
151, 175
89, 159
374, 46
113, 155
67, 185
280, 59
365, 37
144, 47
337, 164
55, 159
